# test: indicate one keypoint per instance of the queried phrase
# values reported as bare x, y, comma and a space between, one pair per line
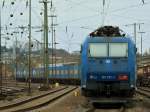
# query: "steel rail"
143, 92
144, 89
93, 109
30, 99
54, 98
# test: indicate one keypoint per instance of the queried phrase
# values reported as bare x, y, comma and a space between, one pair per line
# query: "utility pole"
135, 29
52, 34
16, 60
141, 46
5, 63
5, 75
142, 50
46, 54
103, 13
52, 16
135, 35
55, 49
0, 57
135, 32
29, 60
16, 57
55, 43
42, 53
46, 41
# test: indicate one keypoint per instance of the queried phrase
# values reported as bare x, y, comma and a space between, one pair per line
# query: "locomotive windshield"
118, 49
108, 50
98, 50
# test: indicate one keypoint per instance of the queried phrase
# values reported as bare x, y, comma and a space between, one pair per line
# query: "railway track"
108, 109
11, 90
38, 101
144, 91
19, 84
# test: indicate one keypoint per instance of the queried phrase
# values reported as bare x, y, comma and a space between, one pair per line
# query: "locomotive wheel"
130, 93
85, 93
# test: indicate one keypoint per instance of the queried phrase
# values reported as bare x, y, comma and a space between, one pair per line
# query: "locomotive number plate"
108, 77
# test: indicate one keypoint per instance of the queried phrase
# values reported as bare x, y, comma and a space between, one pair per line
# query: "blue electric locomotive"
108, 64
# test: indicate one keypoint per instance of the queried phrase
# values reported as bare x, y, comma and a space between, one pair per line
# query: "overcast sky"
80, 17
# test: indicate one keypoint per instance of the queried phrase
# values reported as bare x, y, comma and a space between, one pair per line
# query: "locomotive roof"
107, 31
108, 39
108, 34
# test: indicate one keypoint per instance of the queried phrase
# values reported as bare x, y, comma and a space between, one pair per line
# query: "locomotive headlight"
131, 85
123, 77
84, 86
92, 77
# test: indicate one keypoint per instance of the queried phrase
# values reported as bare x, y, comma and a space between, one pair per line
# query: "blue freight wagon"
66, 74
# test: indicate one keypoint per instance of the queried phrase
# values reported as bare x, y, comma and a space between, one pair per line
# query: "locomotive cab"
108, 64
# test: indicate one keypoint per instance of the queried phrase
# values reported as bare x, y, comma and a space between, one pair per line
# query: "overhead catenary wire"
97, 13
79, 4
111, 12
128, 7
117, 9
13, 10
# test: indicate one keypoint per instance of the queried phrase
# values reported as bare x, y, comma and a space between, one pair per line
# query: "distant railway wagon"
66, 74
143, 75
144, 70
108, 64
